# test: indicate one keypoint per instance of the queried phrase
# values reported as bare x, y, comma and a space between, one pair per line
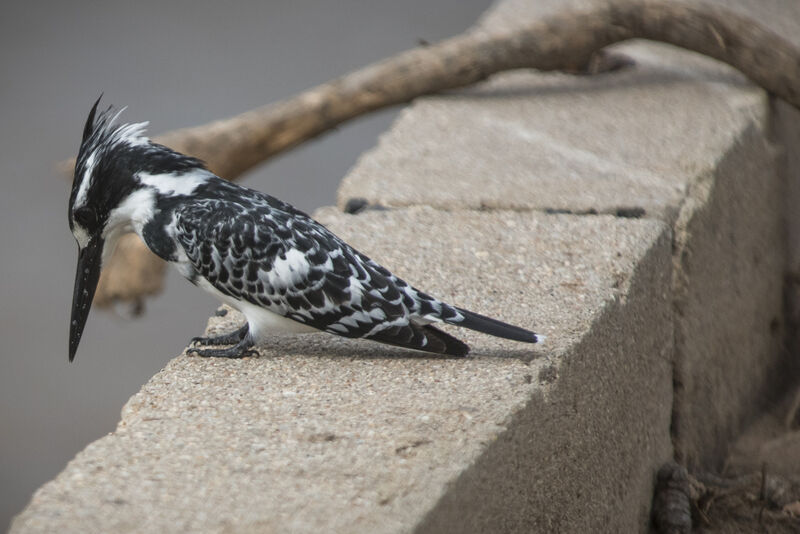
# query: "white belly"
264, 322
261, 321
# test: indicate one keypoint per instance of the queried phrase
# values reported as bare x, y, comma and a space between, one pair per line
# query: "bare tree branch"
560, 42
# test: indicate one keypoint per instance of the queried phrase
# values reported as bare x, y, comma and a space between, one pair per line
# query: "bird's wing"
288, 263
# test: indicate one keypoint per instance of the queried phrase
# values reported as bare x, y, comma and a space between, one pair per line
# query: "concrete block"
730, 255
326, 434
629, 142
680, 138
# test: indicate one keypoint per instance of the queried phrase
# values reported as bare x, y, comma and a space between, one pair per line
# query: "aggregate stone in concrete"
323, 434
628, 142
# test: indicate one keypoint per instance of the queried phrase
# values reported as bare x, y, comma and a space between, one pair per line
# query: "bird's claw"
199, 341
242, 348
232, 352
231, 338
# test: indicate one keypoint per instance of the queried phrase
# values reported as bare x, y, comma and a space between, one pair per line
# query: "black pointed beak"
86, 277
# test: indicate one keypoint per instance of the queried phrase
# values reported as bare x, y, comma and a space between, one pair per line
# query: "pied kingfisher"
283, 270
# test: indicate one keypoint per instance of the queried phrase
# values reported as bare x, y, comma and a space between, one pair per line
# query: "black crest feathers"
89, 126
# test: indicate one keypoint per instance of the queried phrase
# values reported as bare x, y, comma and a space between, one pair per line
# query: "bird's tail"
493, 327
421, 337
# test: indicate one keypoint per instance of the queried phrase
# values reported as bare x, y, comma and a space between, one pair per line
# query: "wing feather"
291, 265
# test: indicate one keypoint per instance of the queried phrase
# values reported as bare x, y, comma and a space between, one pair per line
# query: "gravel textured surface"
325, 434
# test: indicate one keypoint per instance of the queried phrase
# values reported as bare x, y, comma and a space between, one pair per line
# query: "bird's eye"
85, 217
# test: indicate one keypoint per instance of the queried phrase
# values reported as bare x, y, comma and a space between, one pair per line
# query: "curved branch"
233, 146
560, 42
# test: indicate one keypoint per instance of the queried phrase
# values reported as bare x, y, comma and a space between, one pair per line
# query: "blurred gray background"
175, 64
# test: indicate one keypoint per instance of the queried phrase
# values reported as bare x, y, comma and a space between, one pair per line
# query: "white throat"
131, 215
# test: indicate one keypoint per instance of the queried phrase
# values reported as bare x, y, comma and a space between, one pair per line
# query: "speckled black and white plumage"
279, 267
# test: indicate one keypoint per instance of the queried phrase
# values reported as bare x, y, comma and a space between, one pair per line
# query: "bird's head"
105, 168
119, 174
103, 184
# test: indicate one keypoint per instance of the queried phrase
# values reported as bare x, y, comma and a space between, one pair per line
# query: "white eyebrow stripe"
80, 197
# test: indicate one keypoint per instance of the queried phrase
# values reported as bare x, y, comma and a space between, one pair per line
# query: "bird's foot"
231, 338
240, 350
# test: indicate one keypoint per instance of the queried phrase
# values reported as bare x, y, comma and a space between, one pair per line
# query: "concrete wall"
635, 218
730, 256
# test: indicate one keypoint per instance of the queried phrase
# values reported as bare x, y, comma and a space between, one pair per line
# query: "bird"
284, 271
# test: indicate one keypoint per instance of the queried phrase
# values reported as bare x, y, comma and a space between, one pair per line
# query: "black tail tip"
459, 350
493, 327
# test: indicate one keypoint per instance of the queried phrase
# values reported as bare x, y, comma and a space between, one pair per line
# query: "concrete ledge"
630, 142
679, 138
326, 434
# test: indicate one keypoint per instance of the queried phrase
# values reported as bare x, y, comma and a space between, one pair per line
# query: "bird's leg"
231, 338
240, 350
